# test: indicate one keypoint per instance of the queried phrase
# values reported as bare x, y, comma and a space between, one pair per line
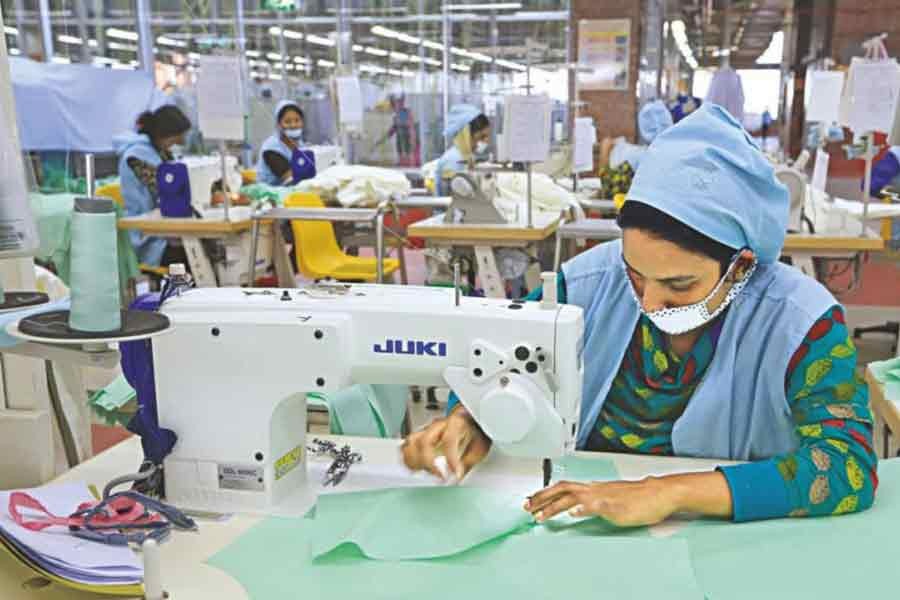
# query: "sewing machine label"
412, 347
288, 462
241, 477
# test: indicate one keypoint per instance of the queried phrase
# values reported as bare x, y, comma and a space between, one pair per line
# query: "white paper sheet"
823, 95
585, 137
871, 97
219, 102
820, 171
350, 106
527, 128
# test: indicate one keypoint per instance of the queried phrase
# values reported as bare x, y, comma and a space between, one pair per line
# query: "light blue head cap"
653, 119
284, 104
459, 116
707, 172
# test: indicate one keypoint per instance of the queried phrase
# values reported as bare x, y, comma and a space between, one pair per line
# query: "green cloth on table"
365, 410
263, 192
108, 402
887, 372
61, 256
415, 523
52, 212
273, 560
853, 556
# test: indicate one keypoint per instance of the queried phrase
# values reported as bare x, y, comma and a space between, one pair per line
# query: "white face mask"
682, 319
294, 134
481, 147
177, 150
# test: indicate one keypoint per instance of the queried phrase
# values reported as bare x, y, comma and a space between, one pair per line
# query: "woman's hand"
635, 503
456, 436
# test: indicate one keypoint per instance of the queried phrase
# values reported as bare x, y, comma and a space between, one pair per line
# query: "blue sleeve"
883, 172
535, 295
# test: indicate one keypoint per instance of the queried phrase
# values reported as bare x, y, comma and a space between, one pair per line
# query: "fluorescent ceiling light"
301, 59
511, 65
433, 62
358, 48
118, 46
463, 68
432, 45
491, 6
384, 31
122, 67
473, 55
167, 41
376, 51
399, 56
414, 58
325, 63
317, 39
122, 34
15, 51
252, 53
288, 33
275, 76
62, 60
273, 56
395, 72
10, 30
371, 69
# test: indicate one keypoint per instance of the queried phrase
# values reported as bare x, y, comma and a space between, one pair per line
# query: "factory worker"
470, 131
282, 160
159, 133
886, 172
698, 342
653, 119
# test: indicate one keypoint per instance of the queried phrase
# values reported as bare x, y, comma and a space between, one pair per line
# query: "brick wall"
614, 112
857, 20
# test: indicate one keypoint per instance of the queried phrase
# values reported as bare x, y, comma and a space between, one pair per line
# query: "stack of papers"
64, 558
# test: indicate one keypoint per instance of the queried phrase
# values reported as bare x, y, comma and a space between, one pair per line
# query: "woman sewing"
470, 131
282, 160
699, 343
140, 154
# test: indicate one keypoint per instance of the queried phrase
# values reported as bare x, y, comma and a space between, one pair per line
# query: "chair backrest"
111, 190
317, 249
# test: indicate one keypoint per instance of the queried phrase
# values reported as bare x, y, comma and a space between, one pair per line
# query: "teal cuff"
758, 491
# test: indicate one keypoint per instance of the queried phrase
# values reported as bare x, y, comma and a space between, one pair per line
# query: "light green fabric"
365, 410
887, 372
108, 402
52, 213
96, 303
272, 561
263, 192
850, 556
415, 523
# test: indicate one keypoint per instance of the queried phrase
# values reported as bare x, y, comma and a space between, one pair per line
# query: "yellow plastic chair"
114, 192
318, 253
248, 176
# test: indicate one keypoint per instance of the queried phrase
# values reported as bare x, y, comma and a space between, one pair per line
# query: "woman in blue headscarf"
699, 342
282, 160
470, 131
140, 155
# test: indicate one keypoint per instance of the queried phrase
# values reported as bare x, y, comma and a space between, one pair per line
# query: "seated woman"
140, 155
281, 159
699, 343
470, 132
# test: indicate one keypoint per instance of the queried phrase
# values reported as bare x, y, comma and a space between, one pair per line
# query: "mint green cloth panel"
96, 305
108, 402
366, 410
52, 212
127, 259
272, 561
828, 558
415, 523
887, 372
263, 192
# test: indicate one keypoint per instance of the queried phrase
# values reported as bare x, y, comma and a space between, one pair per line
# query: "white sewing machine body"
231, 378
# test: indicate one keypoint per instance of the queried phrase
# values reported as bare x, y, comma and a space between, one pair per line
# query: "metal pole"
81, 9
254, 246
89, 174
99, 28
528, 92
423, 99
20, 25
145, 36
447, 41
869, 140
379, 245
46, 30
282, 49
456, 281
225, 190
241, 34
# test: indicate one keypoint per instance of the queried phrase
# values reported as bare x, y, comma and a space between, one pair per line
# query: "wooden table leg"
488, 272
201, 267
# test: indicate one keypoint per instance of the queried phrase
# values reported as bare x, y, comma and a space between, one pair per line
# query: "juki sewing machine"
232, 375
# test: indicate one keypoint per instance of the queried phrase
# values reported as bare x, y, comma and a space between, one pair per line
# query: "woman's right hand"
457, 436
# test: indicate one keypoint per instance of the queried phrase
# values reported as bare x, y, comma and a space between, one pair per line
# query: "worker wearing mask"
159, 135
698, 342
470, 131
622, 158
282, 161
